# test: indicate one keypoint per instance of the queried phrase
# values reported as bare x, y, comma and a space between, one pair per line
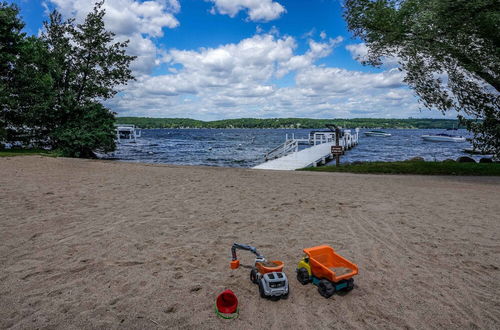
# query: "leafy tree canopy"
51, 87
93, 130
90, 65
450, 50
11, 39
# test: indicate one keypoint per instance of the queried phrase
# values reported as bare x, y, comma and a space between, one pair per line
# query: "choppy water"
246, 147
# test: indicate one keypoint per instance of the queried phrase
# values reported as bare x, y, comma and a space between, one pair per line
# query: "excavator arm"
235, 262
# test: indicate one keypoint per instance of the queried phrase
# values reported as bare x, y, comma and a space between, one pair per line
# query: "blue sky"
216, 59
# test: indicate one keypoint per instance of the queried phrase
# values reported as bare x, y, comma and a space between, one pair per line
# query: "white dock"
290, 158
299, 159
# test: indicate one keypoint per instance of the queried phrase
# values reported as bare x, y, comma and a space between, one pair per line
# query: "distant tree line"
145, 122
51, 86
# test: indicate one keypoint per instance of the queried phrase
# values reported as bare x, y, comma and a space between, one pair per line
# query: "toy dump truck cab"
326, 269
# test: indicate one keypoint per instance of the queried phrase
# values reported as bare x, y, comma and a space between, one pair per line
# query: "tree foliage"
53, 85
92, 130
25, 82
11, 39
31, 93
90, 66
449, 49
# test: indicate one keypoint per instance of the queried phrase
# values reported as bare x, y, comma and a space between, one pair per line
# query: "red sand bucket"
226, 305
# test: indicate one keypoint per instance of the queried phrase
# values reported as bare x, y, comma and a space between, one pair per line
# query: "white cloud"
126, 17
338, 80
258, 10
261, 76
251, 60
309, 34
244, 80
134, 20
316, 51
145, 50
244, 69
359, 52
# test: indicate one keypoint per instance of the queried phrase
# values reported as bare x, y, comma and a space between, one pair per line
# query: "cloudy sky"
218, 59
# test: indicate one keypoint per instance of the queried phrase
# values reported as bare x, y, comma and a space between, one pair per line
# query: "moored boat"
442, 137
377, 133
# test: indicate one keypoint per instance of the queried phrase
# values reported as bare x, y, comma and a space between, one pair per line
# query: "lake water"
247, 147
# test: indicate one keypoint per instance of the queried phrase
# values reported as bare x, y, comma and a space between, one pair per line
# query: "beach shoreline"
90, 244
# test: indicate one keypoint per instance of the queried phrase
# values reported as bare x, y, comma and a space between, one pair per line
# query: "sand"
339, 271
102, 245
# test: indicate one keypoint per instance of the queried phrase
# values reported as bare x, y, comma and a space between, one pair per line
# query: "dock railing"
291, 144
287, 156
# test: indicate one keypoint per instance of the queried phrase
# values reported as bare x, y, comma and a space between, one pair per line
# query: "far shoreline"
290, 123
284, 128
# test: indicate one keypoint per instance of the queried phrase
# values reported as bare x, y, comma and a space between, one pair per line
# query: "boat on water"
377, 133
443, 137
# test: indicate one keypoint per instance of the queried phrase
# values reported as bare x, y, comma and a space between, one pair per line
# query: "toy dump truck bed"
327, 264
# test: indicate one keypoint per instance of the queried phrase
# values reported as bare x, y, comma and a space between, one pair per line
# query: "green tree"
25, 81
32, 93
88, 68
11, 39
51, 87
92, 129
449, 49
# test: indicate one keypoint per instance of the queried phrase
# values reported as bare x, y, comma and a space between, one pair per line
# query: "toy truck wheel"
285, 296
326, 288
303, 276
253, 276
261, 290
350, 285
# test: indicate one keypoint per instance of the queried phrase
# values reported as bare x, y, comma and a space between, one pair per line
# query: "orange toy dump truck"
326, 269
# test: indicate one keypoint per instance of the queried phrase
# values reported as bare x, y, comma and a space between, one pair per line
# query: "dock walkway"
308, 157
287, 157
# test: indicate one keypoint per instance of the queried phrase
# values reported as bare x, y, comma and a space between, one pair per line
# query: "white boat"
377, 133
442, 137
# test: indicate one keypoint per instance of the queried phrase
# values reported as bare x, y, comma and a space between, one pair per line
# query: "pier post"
337, 156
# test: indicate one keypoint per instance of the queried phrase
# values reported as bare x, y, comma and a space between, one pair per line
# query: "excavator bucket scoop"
269, 266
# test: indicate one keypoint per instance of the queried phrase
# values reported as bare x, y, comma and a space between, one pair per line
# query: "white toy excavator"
269, 275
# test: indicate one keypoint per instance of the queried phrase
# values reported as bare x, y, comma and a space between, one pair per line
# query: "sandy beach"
102, 245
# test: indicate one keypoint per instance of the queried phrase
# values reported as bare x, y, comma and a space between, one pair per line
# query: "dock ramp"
287, 157
308, 157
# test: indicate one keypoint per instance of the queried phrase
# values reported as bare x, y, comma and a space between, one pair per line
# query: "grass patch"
415, 167
29, 152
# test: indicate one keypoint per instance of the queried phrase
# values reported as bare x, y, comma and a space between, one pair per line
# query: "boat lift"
127, 133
